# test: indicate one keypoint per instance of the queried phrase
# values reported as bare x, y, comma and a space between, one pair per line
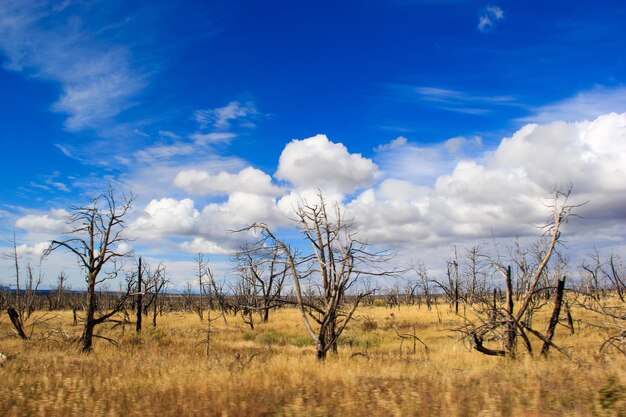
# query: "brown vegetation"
272, 370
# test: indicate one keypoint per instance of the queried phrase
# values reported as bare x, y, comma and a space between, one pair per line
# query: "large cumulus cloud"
166, 216
503, 193
317, 162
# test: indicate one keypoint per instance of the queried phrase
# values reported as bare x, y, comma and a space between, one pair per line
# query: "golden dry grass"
272, 370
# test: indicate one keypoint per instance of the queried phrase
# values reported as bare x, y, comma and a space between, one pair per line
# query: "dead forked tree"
603, 295
25, 293
262, 275
336, 261
508, 319
155, 286
96, 240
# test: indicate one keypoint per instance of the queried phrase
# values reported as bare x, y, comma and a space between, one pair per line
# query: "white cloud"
97, 80
55, 222
396, 143
36, 249
213, 137
590, 155
317, 162
155, 177
586, 105
222, 118
123, 248
240, 210
392, 213
477, 200
489, 17
289, 203
164, 152
444, 95
249, 180
164, 217
454, 145
169, 217
451, 100
202, 245
168, 134
418, 164
502, 192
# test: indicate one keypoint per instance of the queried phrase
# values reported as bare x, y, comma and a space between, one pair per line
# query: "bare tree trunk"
18, 300
478, 345
570, 320
511, 328
90, 320
139, 298
494, 306
321, 348
554, 320
154, 313
60, 290
266, 313
332, 336
17, 323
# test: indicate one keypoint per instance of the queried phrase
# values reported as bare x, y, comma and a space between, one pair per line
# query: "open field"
272, 370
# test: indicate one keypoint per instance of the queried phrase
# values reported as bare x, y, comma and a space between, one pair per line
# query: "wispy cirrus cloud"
489, 18
444, 95
50, 41
212, 137
452, 100
168, 145
222, 118
584, 105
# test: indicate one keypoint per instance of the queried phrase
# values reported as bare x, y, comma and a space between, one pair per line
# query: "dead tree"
155, 286
30, 294
424, 282
554, 319
25, 297
60, 290
201, 274
452, 290
246, 300
17, 323
96, 240
605, 300
336, 261
473, 274
217, 290
263, 273
509, 321
210, 319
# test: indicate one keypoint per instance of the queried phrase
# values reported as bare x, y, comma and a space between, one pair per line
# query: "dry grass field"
272, 370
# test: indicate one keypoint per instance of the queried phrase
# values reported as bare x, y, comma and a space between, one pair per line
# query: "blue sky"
443, 122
